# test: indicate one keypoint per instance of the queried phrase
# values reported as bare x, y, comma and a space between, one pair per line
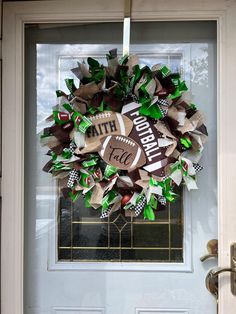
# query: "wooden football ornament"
122, 152
107, 123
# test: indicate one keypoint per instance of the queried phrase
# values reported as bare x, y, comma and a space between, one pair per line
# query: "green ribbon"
97, 174
96, 70
60, 93
54, 156
110, 171
57, 159
153, 202
181, 165
168, 191
180, 88
100, 108
87, 198
68, 107
66, 154
147, 107
149, 110
137, 76
193, 106
92, 110
107, 199
85, 179
165, 71
61, 117
139, 198
59, 165
153, 182
148, 213
70, 85
186, 142
124, 59
89, 163
81, 122
74, 195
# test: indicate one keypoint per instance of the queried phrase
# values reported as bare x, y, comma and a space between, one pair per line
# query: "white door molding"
16, 15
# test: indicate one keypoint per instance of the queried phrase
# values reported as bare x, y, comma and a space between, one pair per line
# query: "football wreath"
127, 137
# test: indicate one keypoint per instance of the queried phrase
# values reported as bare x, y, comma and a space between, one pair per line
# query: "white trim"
157, 310
16, 14
57, 310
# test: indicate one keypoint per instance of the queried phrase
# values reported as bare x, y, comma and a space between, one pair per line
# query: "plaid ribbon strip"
73, 176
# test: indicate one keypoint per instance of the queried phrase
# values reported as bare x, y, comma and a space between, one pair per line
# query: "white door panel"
114, 287
145, 284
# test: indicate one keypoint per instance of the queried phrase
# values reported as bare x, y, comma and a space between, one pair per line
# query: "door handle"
212, 276
205, 257
212, 248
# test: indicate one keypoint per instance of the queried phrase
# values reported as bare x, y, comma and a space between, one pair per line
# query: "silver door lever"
212, 277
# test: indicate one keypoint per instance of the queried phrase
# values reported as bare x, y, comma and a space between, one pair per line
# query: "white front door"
74, 263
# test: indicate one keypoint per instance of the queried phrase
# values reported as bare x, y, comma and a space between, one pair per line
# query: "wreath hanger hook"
126, 26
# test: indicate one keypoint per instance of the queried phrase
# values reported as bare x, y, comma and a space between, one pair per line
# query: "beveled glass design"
83, 236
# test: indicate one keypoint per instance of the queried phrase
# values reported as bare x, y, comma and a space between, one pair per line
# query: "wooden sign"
146, 135
122, 152
107, 123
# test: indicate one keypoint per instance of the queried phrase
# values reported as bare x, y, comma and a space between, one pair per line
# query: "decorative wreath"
125, 138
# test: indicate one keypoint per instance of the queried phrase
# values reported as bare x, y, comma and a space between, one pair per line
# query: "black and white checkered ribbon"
73, 176
162, 200
163, 102
197, 167
163, 106
72, 147
164, 178
163, 111
106, 213
139, 207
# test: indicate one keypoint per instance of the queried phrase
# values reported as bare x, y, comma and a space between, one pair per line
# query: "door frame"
15, 16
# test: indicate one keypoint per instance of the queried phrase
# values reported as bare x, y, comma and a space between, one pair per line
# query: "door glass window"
78, 232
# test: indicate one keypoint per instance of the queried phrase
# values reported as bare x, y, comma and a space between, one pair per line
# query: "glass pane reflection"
82, 235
